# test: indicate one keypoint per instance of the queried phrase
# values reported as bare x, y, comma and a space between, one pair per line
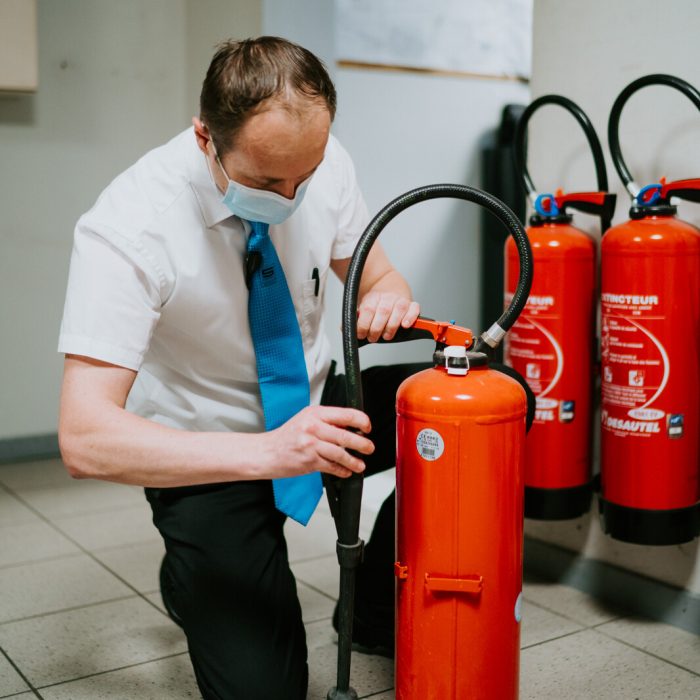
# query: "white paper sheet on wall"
485, 37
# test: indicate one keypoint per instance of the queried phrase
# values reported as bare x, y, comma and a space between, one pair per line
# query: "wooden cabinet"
19, 55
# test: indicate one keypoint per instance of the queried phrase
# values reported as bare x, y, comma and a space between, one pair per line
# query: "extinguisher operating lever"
683, 189
597, 203
424, 328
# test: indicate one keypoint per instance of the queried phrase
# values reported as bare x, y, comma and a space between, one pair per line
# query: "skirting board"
26, 449
624, 589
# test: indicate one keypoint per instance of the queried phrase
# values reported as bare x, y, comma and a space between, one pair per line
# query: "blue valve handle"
645, 200
553, 209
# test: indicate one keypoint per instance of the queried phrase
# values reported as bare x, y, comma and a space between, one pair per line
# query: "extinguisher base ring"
558, 504
645, 526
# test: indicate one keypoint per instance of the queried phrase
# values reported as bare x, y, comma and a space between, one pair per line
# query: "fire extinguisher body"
551, 345
650, 407
459, 486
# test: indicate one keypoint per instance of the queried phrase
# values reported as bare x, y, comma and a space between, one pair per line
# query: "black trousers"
227, 561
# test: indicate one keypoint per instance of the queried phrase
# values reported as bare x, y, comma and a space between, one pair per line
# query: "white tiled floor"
81, 616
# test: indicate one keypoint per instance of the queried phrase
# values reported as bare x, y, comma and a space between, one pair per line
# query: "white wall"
116, 79
404, 130
590, 52
407, 130
210, 22
110, 87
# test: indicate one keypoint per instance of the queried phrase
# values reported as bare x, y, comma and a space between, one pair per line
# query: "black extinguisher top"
551, 208
654, 199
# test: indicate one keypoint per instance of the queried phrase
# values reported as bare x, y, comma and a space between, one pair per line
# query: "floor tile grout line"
42, 560
156, 606
74, 514
83, 549
317, 590
649, 653
294, 562
567, 617
21, 675
315, 620
72, 608
552, 639
112, 670
374, 695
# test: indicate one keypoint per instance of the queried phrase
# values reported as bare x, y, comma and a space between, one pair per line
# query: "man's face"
276, 150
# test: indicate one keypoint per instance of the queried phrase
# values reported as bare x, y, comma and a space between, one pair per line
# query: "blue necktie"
279, 353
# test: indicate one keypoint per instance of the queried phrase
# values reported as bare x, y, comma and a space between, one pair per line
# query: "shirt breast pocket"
312, 306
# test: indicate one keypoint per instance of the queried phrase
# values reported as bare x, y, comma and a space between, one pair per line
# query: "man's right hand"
101, 440
318, 439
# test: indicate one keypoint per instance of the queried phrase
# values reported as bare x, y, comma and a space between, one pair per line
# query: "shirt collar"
213, 209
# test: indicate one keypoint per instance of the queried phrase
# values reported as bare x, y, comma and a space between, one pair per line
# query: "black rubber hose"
421, 194
350, 490
585, 123
614, 120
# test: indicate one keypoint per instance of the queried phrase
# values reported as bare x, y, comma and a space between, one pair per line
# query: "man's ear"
201, 133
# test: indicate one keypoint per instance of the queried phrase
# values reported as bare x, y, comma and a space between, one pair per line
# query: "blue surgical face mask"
253, 204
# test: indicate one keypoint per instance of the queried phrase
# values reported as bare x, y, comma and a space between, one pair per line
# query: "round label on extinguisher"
519, 607
430, 444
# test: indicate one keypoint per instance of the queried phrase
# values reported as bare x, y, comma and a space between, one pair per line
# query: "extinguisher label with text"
635, 363
430, 444
535, 352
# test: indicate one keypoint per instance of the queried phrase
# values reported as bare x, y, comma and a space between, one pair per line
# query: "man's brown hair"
243, 74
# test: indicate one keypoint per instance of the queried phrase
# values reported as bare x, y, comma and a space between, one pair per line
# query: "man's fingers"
334, 469
346, 439
345, 417
364, 320
339, 456
411, 315
397, 315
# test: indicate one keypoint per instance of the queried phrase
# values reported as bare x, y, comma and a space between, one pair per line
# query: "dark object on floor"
369, 638
166, 593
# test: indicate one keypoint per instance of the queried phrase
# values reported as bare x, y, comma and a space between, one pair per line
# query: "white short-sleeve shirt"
156, 284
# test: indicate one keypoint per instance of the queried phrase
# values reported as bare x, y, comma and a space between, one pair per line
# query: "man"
164, 382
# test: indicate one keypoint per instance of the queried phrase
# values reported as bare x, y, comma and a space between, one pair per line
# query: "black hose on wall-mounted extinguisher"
650, 337
459, 468
552, 343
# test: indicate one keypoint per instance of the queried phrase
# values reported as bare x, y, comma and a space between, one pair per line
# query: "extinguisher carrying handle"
442, 332
614, 121
683, 189
581, 117
600, 204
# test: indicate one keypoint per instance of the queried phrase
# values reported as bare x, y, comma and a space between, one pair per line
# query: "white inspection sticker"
519, 608
430, 444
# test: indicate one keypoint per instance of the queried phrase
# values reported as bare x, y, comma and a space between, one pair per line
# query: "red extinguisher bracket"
449, 584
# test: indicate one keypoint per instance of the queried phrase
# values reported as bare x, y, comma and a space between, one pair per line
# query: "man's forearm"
116, 445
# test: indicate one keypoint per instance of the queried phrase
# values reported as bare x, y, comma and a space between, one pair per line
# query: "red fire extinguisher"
552, 343
459, 487
650, 311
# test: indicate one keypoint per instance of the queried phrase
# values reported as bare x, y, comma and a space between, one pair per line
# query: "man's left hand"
381, 314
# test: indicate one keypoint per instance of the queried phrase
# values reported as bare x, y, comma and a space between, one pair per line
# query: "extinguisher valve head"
456, 360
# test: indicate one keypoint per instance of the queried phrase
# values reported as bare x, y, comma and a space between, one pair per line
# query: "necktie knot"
258, 232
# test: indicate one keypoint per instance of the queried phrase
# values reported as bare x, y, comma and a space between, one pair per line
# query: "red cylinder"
459, 487
650, 304
551, 346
